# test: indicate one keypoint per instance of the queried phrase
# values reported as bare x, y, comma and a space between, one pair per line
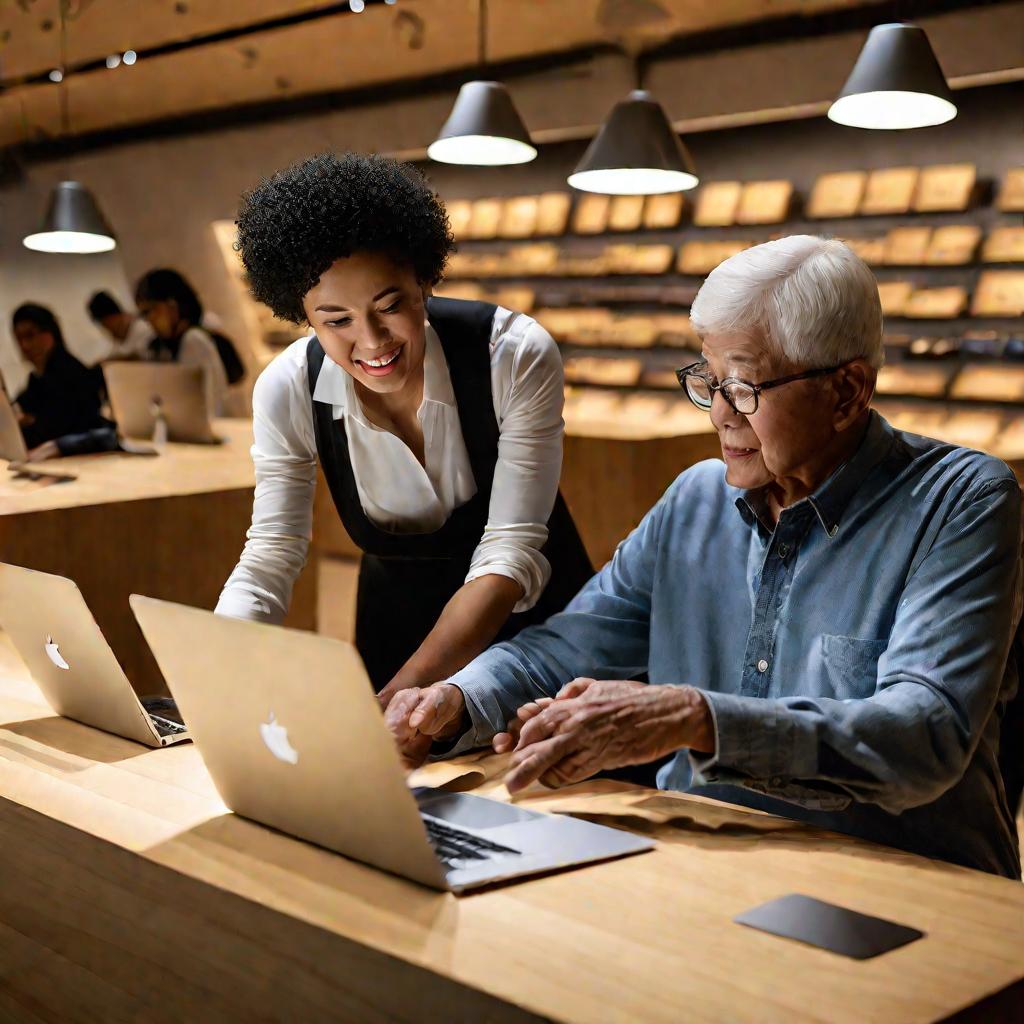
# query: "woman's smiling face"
369, 314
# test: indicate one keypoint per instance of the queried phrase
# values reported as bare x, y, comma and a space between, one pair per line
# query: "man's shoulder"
970, 468
700, 491
706, 478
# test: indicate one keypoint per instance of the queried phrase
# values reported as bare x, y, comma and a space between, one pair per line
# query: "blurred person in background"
59, 409
172, 309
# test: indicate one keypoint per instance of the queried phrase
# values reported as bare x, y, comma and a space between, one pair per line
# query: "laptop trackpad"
470, 811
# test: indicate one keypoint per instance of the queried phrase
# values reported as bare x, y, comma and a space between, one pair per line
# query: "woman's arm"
508, 572
284, 456
198, 349
470, 621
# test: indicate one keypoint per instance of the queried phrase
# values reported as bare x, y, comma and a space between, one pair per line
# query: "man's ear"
854, 386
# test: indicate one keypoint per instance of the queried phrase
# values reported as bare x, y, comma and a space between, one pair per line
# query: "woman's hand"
47, 450
418, 717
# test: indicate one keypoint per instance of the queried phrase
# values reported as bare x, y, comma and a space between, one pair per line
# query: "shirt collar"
335, 387
831, 499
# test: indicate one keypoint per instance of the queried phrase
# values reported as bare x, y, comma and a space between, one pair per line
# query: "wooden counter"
167, 526
130, 894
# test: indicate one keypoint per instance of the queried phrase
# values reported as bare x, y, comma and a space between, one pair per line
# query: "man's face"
791, 426
368, 313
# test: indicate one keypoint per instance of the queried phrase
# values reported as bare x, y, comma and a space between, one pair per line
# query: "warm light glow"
481, 150
891, 110
69, 242
130, 57
633, 181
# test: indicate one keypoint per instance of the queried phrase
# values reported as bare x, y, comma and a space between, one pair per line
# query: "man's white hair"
812, 299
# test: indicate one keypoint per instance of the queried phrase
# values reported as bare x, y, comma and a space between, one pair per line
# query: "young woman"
173, 310
59, 410
438, 425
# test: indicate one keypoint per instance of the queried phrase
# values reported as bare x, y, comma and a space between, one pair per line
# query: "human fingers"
438, 706
396, 715
505, 741
575, 688
529, 764
545, 724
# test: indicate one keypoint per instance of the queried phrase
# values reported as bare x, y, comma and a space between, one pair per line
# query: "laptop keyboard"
165, 727
453, 845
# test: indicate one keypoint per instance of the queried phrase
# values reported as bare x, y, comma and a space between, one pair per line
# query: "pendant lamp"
896, 83
484, 127
636, 152
73, 222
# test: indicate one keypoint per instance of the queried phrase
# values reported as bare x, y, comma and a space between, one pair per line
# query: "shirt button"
783, 550
762, 666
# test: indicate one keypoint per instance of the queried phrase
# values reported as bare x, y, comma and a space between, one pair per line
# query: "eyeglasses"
740, 394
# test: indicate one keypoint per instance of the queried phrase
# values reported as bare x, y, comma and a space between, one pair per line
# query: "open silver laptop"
57, 637
12, 442
12, 446
293, 736
138, 391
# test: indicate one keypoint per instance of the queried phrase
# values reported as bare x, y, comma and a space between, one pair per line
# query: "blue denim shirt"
855, 656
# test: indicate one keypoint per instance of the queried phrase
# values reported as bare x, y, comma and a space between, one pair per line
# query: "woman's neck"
397, 412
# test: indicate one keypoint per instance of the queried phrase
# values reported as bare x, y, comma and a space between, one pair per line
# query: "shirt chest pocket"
849, 665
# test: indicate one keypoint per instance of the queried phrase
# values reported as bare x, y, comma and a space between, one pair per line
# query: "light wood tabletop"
181, 469
170, 525
130, 892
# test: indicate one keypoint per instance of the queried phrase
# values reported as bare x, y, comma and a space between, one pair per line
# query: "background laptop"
135, 389
12, 441
57, 637
12, 445
292, 734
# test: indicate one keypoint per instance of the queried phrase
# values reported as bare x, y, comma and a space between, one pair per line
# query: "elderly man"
825, 618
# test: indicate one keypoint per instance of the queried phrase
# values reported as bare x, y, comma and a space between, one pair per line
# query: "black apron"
406, 579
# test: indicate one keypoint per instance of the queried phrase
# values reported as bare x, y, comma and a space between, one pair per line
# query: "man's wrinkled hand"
505, 741
607, 724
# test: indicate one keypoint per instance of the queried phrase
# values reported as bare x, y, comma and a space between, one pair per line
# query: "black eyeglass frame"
756, 389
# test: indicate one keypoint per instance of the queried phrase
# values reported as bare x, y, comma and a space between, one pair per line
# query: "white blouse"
396, 492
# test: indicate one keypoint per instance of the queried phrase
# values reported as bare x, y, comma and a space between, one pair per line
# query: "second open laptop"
293, 736
140, 391
71, 662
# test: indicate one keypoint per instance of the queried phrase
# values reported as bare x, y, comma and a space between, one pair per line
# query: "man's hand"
607, 724
419, 717
503, 742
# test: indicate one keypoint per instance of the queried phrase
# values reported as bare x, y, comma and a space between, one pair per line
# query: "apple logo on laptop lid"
275, 736
53, 653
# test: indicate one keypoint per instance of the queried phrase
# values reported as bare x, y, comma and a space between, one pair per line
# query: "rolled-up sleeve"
528, 379
284, 457
939, 680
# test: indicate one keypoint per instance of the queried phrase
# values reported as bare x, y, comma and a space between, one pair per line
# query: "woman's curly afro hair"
293, 226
